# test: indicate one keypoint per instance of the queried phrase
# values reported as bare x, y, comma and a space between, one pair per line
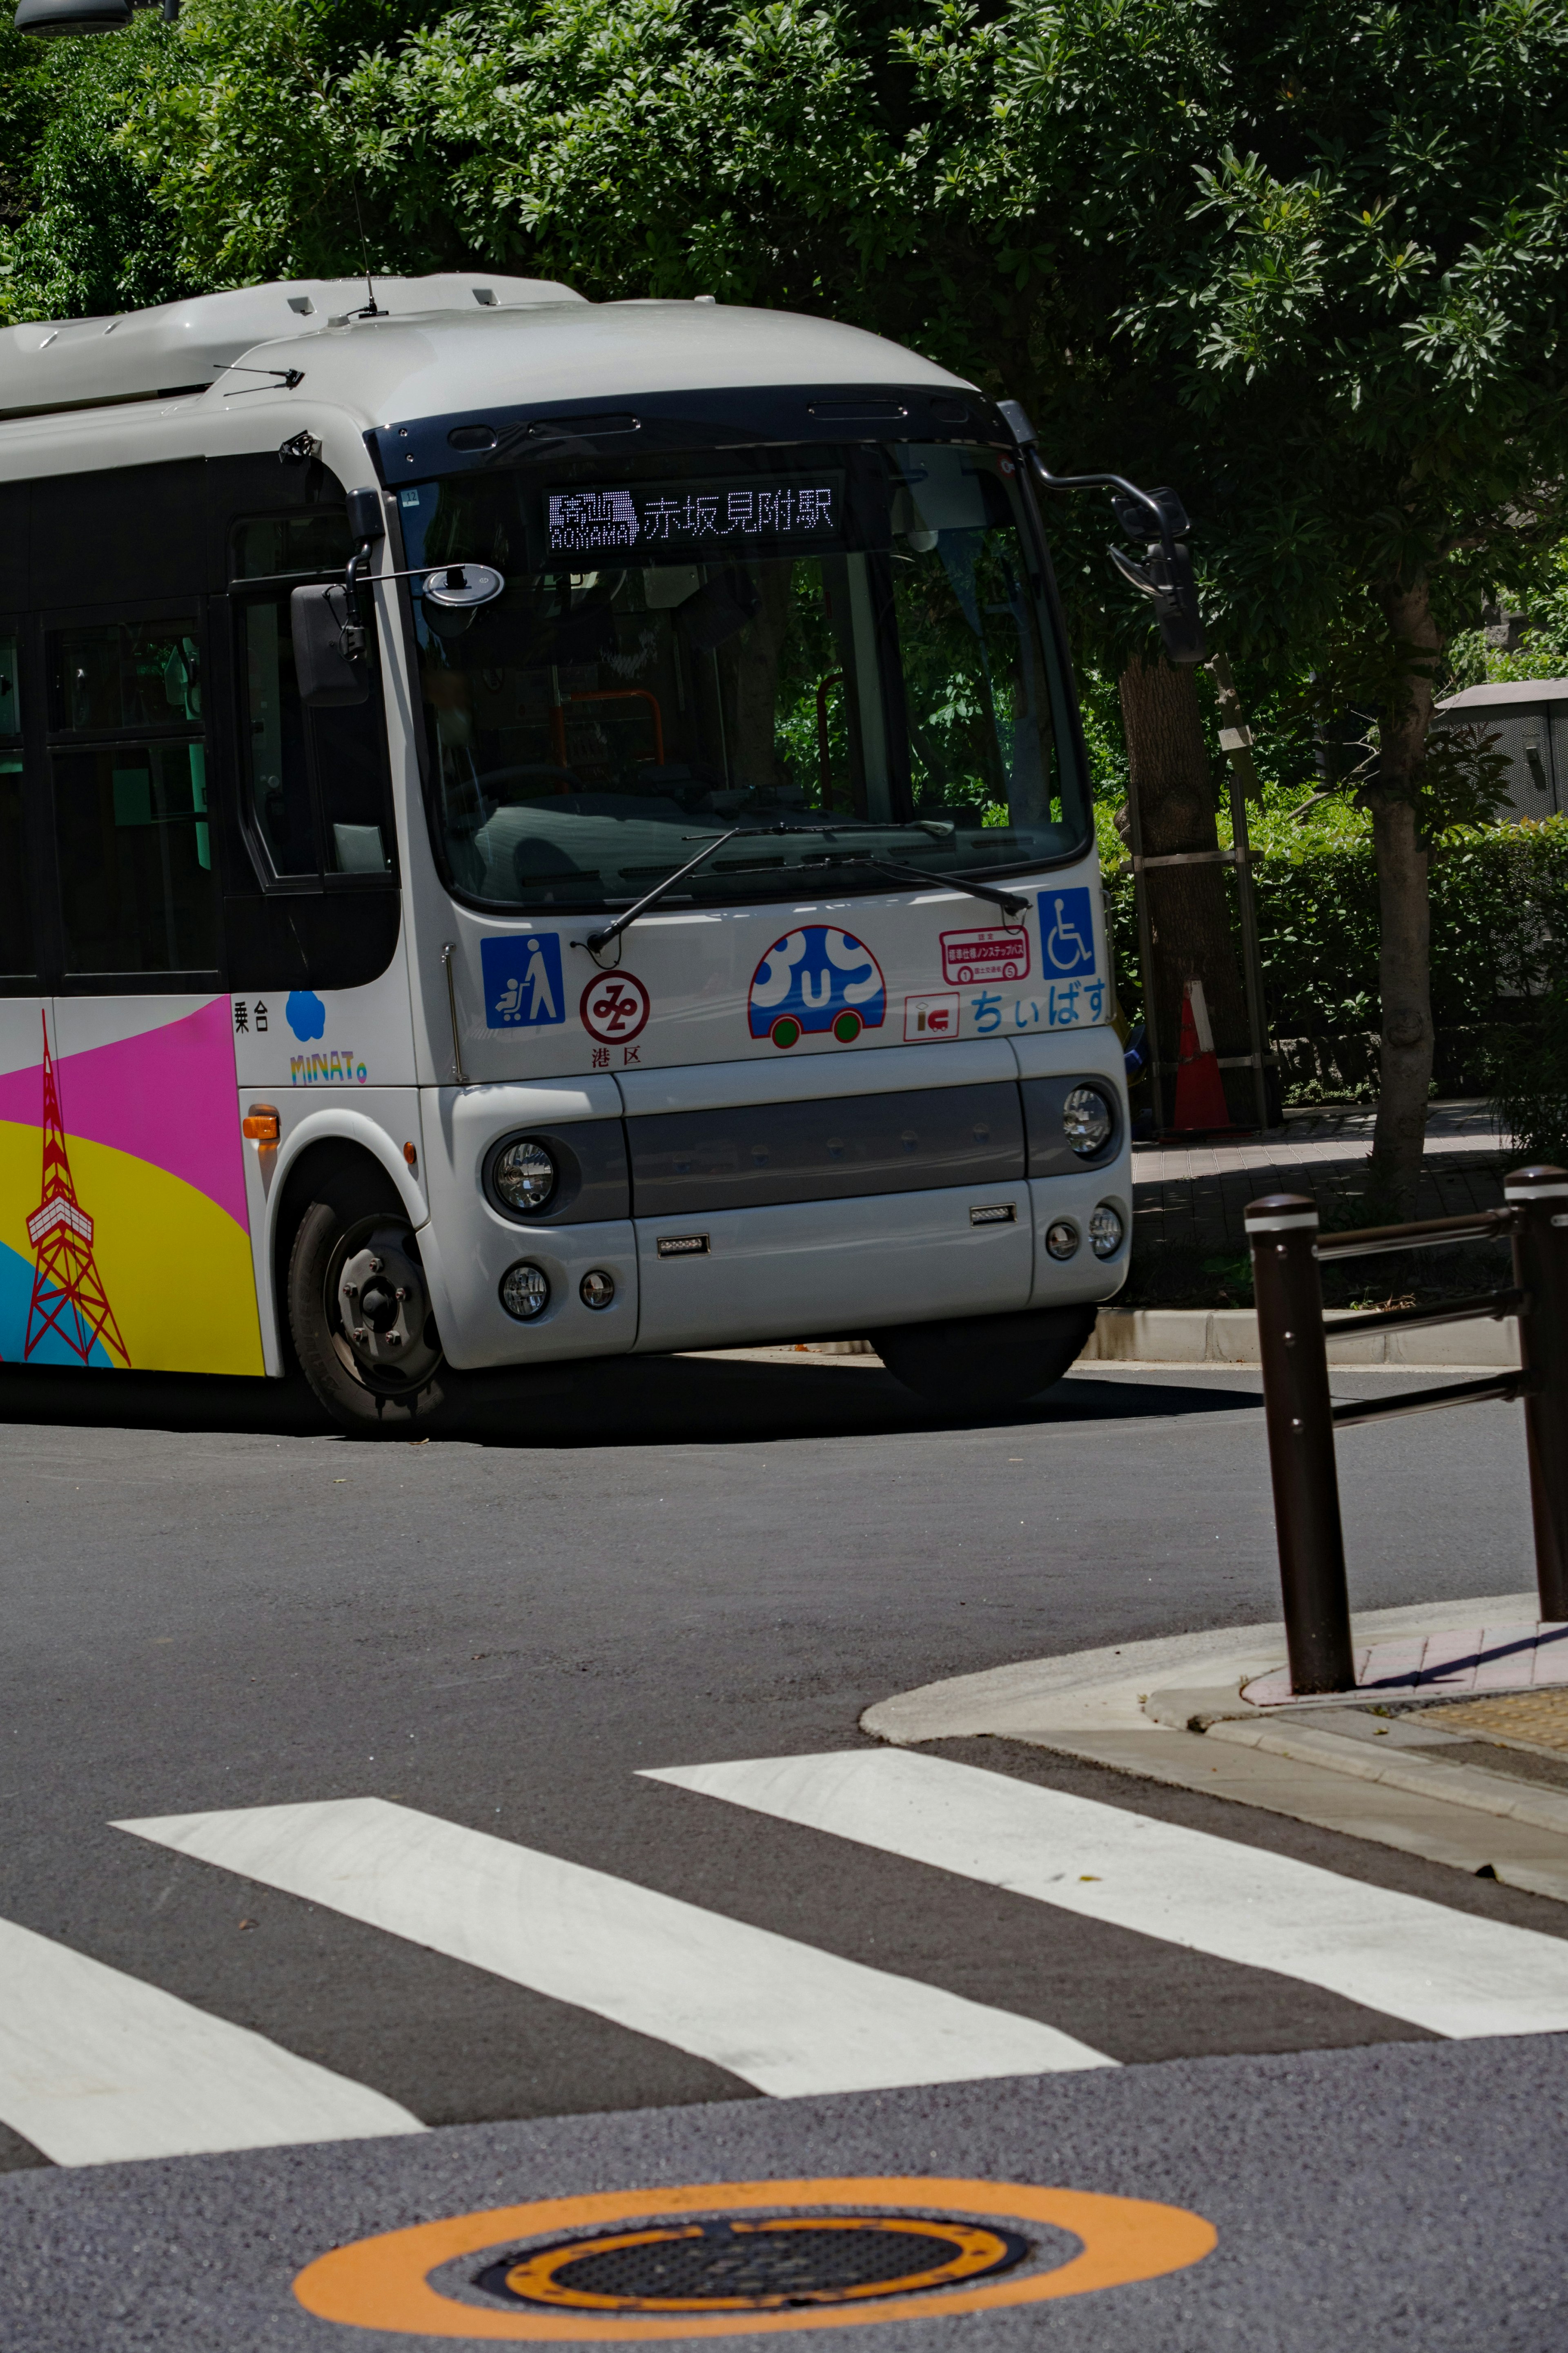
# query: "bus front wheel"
974, 1363
358, 1309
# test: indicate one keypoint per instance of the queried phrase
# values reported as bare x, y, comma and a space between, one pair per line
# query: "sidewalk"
1193, 1194
1454, 1747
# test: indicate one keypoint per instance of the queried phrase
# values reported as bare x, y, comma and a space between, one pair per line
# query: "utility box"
1529, 720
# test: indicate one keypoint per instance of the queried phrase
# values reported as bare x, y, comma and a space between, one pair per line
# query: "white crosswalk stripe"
97, 2066
782, 2015
1423, 1962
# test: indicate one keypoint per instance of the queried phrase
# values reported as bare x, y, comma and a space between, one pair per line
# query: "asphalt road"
211, 1604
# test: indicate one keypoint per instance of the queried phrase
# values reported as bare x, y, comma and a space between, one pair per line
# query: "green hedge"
1499, 897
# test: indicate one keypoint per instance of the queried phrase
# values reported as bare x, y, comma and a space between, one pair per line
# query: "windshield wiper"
1008, 900
608, 932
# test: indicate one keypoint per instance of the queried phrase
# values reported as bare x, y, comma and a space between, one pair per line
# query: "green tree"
81, 233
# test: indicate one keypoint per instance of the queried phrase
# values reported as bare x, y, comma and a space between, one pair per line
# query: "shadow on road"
626, 1400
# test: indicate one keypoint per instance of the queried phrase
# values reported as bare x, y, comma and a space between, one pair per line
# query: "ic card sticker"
522, 980
816, 979
999, 953
931, 1017
1067, 933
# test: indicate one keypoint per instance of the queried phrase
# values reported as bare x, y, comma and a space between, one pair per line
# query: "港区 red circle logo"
616, 1007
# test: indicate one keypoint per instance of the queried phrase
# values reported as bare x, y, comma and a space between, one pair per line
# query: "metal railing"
1287, 1253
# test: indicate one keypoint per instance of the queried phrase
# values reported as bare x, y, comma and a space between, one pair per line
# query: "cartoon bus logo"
814, 980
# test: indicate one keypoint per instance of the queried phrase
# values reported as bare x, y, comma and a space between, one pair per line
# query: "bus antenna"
372, 308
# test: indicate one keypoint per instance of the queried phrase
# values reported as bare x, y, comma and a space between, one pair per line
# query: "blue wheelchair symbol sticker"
1067, 931
523, 981
815, 979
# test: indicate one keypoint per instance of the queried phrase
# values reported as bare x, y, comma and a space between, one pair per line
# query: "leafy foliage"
80, 232
1500, 919
1306, 260
1530, 1104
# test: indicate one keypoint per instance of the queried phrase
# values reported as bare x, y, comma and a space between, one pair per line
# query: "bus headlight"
525, 1174
1061, 1239
1087, 1121
525, 1291
1105, 1230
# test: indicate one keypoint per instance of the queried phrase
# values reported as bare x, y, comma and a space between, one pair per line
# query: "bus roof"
436, 346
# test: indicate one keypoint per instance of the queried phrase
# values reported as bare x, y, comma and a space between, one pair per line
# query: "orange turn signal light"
260, 1124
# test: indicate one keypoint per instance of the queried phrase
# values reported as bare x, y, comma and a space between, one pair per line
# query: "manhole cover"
754, 2266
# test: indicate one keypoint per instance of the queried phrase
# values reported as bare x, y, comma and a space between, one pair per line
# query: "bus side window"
129, 759
276, 778
349, 762
16, 956
315, 781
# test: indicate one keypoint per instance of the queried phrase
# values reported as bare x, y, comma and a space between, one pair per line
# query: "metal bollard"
1282, 1231
1539, 1197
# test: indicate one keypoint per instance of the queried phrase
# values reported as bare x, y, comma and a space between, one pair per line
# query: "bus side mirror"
1155, 517
330, 675
1165, 574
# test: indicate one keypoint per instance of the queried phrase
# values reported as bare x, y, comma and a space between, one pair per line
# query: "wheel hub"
383, 1308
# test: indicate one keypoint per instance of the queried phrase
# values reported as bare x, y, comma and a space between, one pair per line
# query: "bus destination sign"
680, 518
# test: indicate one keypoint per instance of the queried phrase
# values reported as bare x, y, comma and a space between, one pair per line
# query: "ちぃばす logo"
816, 979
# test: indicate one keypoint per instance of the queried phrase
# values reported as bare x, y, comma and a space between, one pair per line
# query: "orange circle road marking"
383, 2283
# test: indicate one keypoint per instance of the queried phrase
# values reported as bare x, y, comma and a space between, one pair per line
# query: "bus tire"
359, 1308
974, 1363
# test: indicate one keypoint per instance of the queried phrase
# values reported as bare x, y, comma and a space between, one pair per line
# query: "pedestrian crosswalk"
96, 2064
779, 2014
1410, 1959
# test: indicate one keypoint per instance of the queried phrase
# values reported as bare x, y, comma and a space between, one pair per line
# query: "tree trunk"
1189, 910
1405, 969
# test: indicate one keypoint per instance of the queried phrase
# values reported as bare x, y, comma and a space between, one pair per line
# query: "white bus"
536, 830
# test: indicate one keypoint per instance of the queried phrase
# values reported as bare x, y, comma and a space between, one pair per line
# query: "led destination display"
681, 518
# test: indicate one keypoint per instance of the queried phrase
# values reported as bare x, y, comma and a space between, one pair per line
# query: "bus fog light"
597, 1288
1061, 1239
524, 1174
525, 1291
1105, 1230
1087, 1121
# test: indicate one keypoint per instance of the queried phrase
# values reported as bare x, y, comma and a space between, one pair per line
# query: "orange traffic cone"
1200, 1090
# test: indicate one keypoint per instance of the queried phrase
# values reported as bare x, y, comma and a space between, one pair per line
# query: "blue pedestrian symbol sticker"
816, 979
523, 981
1067, 932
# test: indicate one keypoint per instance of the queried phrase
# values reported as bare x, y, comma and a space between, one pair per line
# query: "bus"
534, 829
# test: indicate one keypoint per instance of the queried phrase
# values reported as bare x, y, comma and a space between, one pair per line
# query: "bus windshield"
848, 648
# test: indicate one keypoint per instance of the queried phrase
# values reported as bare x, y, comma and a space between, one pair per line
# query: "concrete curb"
1171, 1711
1228, 1336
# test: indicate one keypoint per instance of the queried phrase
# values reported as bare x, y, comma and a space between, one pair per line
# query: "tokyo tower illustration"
68, 1296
